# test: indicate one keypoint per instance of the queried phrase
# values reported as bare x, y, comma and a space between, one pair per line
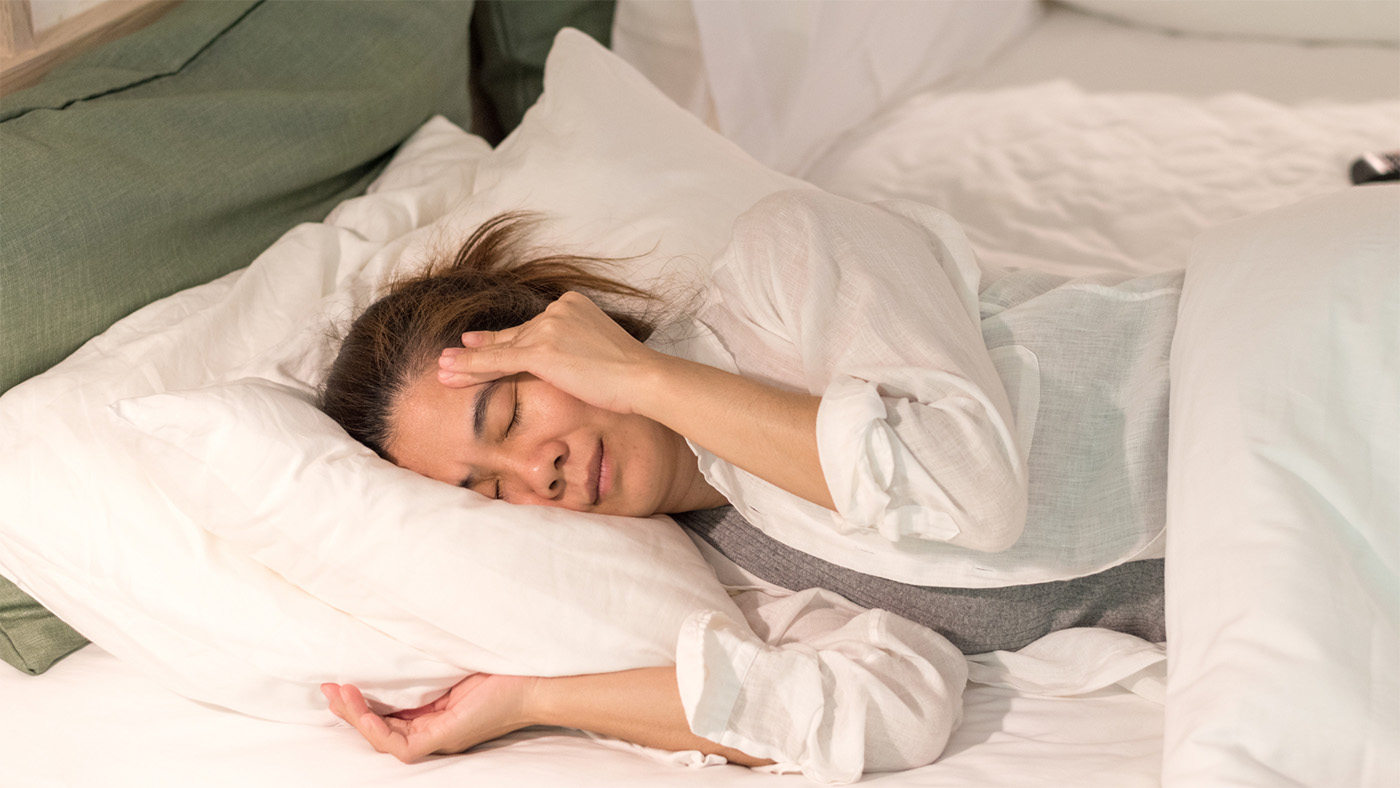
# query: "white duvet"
1283, 556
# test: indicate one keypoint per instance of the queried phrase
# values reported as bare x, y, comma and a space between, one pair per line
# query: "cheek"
551, 410
649, 443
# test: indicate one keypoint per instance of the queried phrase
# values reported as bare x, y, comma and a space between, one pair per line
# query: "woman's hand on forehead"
572, 345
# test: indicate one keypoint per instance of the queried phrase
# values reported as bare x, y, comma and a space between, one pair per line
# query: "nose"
541, 469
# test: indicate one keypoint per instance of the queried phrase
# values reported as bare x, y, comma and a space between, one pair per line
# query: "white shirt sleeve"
826, 688
873, 307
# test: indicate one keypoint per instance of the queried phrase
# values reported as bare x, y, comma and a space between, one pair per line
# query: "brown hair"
495, 281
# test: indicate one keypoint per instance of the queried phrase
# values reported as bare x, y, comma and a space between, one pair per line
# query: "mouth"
595, 475
605, 472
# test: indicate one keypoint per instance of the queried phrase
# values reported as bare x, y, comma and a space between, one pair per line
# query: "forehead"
431, 428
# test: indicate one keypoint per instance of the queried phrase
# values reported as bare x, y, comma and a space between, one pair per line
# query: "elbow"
996, 527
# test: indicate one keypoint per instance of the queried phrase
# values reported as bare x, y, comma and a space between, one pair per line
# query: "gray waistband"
1127, 598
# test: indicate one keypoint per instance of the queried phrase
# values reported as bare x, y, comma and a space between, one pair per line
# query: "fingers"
347, 703
474, 339
459, 367
572, 326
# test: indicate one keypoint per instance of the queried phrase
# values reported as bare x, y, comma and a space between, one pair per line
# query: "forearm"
641, 706
767, 431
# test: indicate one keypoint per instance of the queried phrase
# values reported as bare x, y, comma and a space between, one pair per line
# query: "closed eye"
514, 411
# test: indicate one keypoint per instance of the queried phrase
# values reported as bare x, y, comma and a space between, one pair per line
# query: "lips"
595, 475
605, 472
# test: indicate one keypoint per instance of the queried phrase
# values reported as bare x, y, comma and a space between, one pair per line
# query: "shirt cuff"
857, 464
713, 657
716, 658
860, 462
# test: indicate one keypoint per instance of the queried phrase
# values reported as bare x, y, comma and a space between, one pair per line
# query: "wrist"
533, 707
657, 384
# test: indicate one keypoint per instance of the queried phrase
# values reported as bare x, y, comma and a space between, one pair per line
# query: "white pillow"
85, 531
662, 41
1283, 549
1303, 20
620, 170
111, 544
476, 583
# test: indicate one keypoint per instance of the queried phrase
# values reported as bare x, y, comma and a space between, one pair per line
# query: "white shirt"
874, 308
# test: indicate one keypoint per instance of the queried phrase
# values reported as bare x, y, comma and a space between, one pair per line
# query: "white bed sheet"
117, 729
113, 727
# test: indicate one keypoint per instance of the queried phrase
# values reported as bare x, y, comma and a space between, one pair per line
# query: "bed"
1087, 138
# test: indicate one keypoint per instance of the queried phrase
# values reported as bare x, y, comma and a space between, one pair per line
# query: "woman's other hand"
478, 709
573, 345
642, 706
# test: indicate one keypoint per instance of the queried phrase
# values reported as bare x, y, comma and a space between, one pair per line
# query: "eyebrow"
480, 405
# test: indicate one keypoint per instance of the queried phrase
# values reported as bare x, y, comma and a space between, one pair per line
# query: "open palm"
477, 709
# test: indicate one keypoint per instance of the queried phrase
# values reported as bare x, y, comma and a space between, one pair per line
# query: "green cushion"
31, 638
175, 155
512, 39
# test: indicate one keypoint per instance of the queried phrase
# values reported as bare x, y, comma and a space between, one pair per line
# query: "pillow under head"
476, 583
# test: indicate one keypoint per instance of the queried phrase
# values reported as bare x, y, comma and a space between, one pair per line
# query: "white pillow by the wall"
620, 170
1303, 20
661, 39
789, 78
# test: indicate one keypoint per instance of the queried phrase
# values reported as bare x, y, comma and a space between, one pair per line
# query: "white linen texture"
875, 309
931, 453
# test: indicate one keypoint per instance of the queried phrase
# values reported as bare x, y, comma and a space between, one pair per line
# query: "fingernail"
453, 351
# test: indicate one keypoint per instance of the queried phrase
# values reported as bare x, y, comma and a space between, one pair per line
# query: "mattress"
121, 727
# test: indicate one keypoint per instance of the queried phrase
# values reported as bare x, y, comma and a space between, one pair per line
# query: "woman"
836, 389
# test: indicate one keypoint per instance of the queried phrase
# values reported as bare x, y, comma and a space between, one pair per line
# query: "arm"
874, 307
767, 431
641, 706
833, 690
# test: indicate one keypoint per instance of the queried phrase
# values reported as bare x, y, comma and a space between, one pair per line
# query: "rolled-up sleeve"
825, 687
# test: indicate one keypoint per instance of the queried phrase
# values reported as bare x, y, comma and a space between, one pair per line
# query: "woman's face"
524, 441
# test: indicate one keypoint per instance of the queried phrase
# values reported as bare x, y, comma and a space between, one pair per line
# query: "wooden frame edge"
31, 60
